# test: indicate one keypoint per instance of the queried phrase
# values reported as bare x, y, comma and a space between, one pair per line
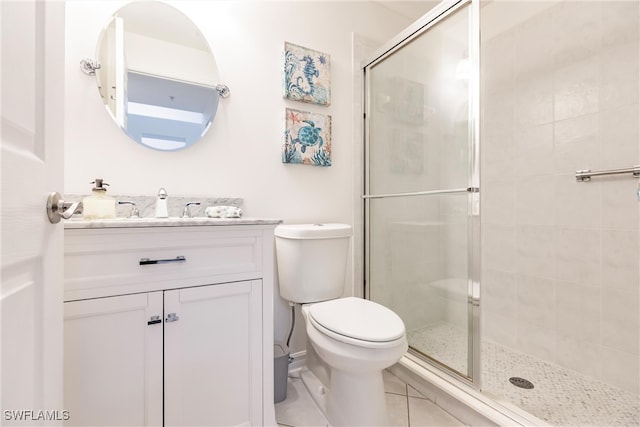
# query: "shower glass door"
421, 186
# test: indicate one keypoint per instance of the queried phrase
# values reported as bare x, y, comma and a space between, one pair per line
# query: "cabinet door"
113, 361
213, 355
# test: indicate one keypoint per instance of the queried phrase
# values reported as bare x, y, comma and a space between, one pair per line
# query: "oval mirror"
157, 76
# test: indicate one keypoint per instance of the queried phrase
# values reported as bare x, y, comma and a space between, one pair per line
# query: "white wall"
240, 155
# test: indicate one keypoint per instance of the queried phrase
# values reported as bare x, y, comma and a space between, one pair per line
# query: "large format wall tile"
569, 250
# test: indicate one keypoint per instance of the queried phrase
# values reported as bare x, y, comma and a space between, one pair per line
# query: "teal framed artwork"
307, 138
307, 75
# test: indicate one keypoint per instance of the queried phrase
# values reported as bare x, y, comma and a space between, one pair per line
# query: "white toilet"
351, 339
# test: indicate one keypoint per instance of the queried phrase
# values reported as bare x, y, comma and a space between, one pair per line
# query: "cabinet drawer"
102, 262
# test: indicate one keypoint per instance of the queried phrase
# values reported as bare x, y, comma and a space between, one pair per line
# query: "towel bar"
585, 175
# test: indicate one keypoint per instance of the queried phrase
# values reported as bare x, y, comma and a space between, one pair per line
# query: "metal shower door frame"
436, 15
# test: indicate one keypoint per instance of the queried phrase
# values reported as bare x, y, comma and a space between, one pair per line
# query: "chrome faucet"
134, 213
186, 213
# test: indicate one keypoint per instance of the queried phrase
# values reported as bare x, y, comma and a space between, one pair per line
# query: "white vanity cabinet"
113, 361
169, 326
213, 362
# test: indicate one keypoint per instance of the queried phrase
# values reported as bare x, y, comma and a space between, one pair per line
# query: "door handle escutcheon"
58, 208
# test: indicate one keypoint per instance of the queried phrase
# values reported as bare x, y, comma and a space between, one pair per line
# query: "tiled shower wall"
560, 259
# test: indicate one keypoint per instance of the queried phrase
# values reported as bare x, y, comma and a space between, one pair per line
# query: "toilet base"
349, 400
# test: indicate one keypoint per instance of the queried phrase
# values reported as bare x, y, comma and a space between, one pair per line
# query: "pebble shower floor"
560, 396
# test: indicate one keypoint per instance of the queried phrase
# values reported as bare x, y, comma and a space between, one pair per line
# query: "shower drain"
521, 383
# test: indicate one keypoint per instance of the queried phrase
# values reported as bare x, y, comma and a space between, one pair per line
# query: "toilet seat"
357, 321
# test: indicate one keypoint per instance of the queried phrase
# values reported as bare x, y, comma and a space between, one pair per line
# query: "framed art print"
307, 75
307, 138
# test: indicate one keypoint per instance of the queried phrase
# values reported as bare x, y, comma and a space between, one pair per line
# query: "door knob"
58, 208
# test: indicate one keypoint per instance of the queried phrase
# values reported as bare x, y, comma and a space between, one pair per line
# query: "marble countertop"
165, 222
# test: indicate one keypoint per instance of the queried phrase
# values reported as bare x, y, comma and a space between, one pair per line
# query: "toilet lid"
358, 318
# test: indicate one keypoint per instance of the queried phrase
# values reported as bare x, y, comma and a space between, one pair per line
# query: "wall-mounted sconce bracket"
89, 66
223, 91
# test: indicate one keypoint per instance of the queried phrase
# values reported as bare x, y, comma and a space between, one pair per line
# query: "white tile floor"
407, 407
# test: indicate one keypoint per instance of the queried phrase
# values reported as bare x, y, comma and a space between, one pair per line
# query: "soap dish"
223, 212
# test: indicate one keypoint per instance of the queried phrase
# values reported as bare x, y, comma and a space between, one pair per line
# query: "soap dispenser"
98, 205
161, 204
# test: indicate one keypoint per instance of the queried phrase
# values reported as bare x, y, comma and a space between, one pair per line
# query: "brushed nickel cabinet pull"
147, 261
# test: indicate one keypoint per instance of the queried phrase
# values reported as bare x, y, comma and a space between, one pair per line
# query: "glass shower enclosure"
421, 196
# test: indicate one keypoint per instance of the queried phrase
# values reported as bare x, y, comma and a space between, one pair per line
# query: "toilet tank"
312, 261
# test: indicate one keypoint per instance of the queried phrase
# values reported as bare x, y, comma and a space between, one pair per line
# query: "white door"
113, 361
213, 355
32, 138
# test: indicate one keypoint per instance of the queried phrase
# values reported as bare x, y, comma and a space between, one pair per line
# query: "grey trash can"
280, 372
